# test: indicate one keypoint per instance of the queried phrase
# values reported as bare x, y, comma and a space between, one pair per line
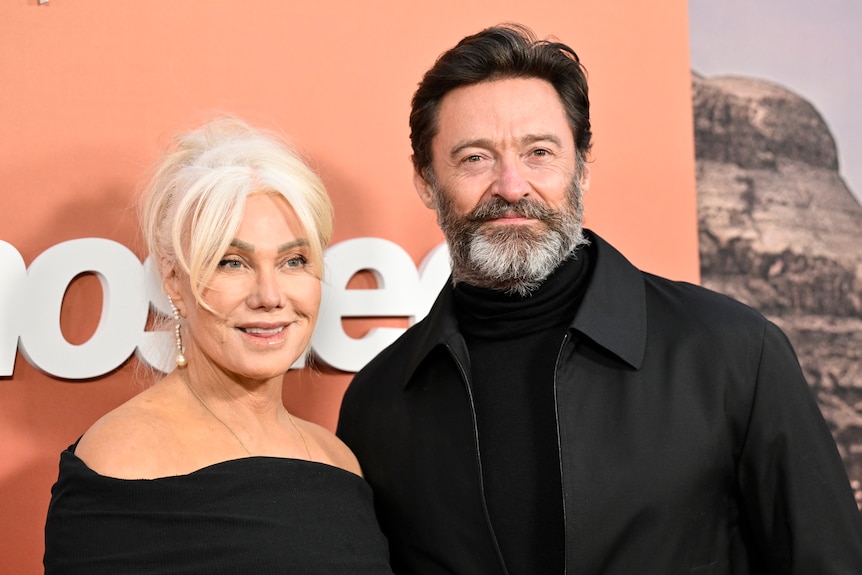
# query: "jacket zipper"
469, 389
560, 450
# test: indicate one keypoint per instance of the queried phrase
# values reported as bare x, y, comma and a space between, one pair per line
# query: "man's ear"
586, 174
426, 194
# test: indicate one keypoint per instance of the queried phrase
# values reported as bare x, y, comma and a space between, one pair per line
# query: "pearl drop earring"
181, 351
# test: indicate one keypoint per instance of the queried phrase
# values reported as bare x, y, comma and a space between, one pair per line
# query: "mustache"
498, 208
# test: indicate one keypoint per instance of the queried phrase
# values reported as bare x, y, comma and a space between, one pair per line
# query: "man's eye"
472, 158
540, 152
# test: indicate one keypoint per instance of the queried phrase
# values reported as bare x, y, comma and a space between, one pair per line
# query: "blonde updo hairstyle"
196, 198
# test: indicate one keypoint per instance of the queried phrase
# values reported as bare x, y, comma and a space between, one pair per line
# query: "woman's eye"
230, 264
296, 262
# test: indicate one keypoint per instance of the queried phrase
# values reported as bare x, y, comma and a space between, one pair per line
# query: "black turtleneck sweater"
513, 343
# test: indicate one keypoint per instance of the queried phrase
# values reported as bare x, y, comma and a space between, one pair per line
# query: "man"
560, 411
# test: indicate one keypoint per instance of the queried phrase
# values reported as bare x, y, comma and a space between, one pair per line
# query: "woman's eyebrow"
245, 246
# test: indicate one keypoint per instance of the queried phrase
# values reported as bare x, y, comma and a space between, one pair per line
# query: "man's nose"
511, 181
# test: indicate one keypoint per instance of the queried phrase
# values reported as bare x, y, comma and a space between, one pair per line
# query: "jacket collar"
612, 314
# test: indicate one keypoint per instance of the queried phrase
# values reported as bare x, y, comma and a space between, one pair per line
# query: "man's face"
506, 183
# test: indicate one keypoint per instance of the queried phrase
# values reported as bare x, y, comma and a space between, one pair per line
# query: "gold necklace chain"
230, 429
207, 407
301, 435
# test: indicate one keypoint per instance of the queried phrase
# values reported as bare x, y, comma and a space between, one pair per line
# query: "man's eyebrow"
533, 138
488, 144
247, 247
464, 144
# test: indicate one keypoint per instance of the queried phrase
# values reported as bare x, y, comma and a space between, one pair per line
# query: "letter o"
124, 309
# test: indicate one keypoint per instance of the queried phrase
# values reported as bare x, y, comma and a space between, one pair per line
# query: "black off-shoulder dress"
258, 515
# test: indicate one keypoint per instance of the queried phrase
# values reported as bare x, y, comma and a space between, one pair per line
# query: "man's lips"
510, 219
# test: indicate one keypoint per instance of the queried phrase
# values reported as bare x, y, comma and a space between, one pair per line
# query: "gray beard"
514, 259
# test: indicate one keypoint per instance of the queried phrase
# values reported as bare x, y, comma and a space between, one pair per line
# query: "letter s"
13, 275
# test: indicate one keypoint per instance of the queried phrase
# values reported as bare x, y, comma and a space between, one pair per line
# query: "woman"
206, 471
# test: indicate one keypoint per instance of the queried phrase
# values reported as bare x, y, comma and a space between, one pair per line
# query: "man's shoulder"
378, 386
665, 292
391, 367
625, 307
418, 340
692, 299
393, 357
706, 319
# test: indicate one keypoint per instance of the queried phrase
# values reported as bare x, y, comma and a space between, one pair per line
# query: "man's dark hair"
497, 53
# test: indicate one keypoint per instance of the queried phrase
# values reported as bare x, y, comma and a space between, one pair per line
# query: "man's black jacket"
689, 441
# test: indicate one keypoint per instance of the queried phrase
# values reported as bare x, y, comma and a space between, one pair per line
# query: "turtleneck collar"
488, 313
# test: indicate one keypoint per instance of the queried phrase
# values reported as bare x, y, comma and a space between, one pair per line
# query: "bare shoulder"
334, 450
133, 441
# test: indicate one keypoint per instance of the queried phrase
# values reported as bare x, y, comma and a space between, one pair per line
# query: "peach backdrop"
92, 90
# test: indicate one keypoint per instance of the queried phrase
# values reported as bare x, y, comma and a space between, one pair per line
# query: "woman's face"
264, 294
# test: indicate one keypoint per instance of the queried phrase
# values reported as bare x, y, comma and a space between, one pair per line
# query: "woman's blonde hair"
195, 200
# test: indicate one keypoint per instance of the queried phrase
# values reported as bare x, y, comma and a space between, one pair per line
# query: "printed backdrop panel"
94, 90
